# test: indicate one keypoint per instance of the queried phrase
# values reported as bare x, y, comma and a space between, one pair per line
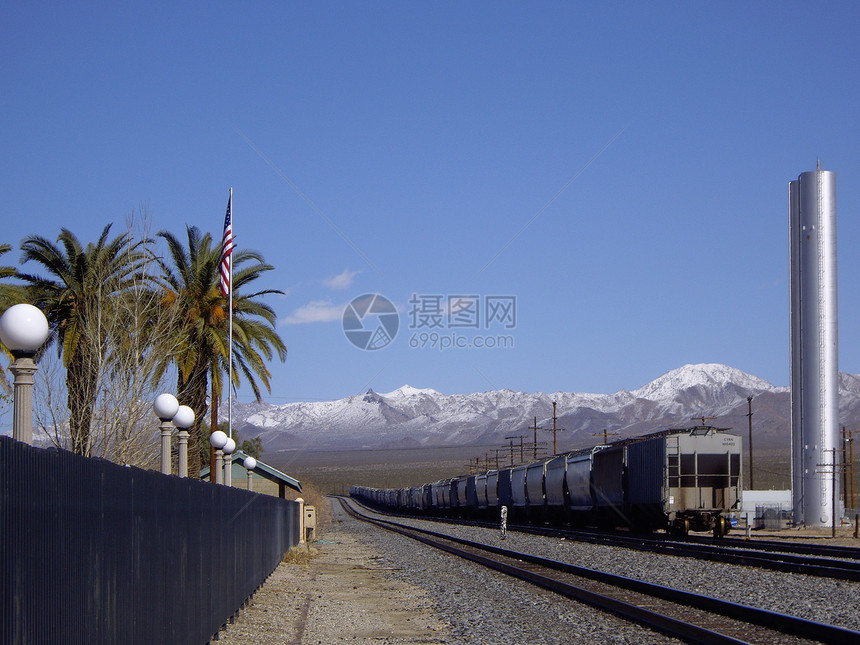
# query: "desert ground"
333, 472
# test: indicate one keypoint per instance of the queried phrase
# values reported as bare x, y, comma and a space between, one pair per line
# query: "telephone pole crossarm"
605, 434
555, 429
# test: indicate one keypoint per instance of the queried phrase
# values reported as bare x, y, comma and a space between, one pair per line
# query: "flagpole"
230, 338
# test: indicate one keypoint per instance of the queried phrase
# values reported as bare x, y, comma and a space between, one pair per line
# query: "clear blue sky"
420, 148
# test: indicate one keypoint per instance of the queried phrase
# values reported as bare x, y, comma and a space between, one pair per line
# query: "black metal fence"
93, 552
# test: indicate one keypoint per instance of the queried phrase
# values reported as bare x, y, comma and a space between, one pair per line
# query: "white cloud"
342, 280
314, 312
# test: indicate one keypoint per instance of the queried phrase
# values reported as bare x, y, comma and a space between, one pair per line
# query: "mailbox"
310, 523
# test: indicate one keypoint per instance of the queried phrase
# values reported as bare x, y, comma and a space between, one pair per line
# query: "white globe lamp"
229, 447
23, 330
250, 463
218, 439
165, 406
184, 417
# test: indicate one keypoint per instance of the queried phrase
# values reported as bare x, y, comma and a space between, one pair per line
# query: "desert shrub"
314, 497
300, 555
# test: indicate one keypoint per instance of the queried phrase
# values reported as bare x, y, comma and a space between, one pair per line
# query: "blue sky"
620, 169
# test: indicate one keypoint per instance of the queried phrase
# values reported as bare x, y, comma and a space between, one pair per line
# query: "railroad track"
786, 546
690, 617
840, 563
843, 565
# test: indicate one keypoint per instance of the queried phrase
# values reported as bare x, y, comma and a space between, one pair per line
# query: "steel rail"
725, 551
785, 546
639, 615
728, 553
790, 625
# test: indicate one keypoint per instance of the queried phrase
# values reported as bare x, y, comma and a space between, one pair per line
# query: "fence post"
301, 503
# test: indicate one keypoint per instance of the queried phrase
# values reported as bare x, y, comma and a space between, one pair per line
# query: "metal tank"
814, 347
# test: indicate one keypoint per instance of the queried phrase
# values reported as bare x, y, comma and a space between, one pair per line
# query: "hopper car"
677, 480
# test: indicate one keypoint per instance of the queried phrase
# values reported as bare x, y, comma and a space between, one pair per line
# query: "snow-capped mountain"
410, 416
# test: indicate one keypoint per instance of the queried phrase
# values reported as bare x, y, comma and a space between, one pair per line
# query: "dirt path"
341, 594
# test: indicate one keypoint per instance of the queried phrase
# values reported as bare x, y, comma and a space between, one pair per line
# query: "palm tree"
76, 298
201, 359
10, 294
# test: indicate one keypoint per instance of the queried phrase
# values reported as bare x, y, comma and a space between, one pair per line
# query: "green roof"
262, 470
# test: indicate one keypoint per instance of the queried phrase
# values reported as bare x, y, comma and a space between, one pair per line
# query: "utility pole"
845, 466
474, 468
512, 437
848, 490
851, 465
535, 428
605, 434
749, 417
555, 429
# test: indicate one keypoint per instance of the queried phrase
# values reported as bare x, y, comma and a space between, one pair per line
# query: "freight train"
677, 480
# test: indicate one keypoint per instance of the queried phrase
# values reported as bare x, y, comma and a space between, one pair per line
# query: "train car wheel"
721, 527
681, 526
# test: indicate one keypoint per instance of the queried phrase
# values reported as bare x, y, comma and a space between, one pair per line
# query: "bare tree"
127, 335
50, 408
124, 428
130, 343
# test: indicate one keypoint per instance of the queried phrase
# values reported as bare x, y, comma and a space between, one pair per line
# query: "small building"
766, 509
262, 472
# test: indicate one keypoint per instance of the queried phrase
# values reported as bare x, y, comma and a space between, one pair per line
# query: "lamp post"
218, 439
23, 330
229, 447
183, 420
165, 406
250, 463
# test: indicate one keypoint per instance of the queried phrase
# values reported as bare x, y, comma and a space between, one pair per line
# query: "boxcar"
458, 493
471, 493
607, 476
504, 488
535, 497
580, 487
680, 480
702, 480
555, 488
441, 496
481, 491
519, 501
493, 489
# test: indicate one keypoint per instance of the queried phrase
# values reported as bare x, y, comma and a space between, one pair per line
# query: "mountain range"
413, 417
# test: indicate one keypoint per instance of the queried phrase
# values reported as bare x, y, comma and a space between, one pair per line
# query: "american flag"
227, 248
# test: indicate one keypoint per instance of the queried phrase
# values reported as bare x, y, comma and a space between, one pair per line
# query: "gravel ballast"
824, 600
372, 586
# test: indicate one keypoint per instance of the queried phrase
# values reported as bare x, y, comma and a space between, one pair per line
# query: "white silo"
814, 347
